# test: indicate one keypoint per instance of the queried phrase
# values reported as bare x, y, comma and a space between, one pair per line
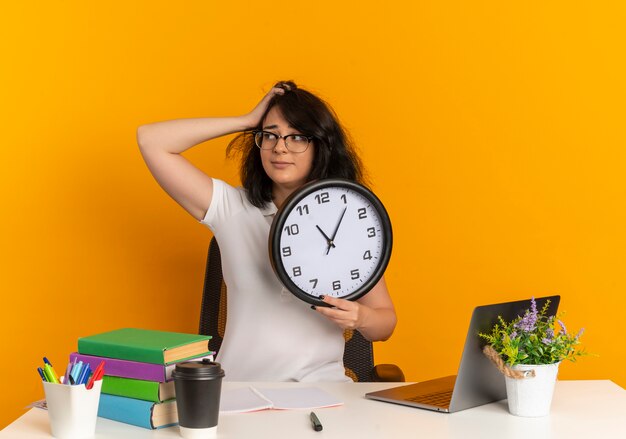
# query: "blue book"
137, 412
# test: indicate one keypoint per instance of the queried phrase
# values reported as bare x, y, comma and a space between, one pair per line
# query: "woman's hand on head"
253, 118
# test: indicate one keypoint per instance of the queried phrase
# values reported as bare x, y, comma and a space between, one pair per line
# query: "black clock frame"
291, 202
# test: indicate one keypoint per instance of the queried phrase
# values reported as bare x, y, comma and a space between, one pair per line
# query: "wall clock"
330, 237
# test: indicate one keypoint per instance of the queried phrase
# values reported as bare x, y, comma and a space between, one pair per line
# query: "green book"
145, 345
138, 389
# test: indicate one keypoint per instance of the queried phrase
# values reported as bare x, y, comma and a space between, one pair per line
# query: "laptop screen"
478, 381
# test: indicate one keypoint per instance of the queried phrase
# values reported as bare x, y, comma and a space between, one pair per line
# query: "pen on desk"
317, 425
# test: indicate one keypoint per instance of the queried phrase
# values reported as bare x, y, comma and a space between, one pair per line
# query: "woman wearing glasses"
289, 138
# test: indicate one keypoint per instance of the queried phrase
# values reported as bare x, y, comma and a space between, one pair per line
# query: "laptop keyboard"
437, 399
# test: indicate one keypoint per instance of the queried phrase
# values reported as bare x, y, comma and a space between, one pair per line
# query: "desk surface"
579, 409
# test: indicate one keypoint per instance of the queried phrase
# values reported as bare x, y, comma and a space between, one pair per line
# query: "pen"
76, 370
53, 372
87, 375
52, 377
95, 375
46, 374
43, 377
82, 379
317, 425
66, 378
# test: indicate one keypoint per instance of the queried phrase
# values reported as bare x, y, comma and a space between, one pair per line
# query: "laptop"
478, 381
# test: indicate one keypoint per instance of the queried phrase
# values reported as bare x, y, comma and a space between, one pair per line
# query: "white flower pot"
532, 396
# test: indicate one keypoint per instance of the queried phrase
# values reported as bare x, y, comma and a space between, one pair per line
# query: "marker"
317, 425
52, 377
100, 374
53, 372
95, 375
43, 377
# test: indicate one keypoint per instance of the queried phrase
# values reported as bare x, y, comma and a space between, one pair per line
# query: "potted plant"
528, 350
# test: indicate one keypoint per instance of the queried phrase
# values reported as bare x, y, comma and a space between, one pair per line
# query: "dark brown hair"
334, 157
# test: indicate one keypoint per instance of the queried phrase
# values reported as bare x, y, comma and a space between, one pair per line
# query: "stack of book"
137, 387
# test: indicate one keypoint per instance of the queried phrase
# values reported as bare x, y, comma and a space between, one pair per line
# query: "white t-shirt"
270, 334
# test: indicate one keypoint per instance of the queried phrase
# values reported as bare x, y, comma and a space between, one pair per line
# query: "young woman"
270, 335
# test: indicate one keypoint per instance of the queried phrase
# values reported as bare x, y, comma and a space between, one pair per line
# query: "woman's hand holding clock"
372, 315
345, 313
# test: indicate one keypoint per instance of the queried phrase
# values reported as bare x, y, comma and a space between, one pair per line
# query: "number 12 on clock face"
331, 237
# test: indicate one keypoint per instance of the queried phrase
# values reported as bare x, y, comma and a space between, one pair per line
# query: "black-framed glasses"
293, 142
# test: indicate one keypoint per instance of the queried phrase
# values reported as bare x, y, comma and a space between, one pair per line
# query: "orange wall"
493, 132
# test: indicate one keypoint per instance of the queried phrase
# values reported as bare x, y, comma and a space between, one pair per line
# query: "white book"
249, 399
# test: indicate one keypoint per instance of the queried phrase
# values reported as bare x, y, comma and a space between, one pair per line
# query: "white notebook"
249, 399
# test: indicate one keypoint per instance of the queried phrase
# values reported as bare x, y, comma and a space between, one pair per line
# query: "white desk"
580, 409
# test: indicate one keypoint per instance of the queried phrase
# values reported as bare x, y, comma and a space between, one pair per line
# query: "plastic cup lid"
198, 370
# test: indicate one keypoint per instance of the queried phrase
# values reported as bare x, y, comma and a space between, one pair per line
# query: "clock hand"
339, 223
336, 230
328, 240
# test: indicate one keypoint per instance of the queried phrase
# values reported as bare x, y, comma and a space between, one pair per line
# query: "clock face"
331, 237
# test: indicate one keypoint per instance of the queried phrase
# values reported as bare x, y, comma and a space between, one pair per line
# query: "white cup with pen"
72, 399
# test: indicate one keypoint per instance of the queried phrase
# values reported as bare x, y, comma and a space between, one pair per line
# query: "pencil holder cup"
72, 410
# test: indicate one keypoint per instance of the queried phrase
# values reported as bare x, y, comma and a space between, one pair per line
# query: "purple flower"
549, 338
563, 327
582, 330
513, 335
528, 322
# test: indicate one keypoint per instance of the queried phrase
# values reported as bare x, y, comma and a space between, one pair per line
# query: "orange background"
494, 134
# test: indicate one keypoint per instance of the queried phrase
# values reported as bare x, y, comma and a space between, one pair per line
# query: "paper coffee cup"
198, 389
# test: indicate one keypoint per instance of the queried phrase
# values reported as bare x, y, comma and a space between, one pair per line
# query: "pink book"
133, 369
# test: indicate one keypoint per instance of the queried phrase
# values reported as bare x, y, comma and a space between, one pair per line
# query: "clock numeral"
367, 255
303, 209
362, 213
324, 197
371, 232
286, 251
354, 274
337, 285
292, 229
314, 282
345, 200
297, 271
